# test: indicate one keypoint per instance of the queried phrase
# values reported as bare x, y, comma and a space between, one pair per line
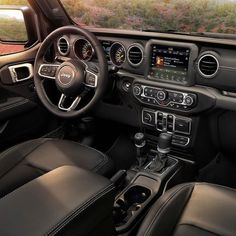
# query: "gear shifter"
140, 144
163, 148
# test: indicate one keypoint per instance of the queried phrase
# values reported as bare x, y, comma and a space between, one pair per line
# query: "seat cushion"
29, 160
196, 209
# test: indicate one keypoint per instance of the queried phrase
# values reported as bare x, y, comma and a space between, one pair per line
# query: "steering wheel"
73, 77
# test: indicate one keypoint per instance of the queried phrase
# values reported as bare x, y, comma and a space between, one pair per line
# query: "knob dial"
189, 100
161, 95
137, 90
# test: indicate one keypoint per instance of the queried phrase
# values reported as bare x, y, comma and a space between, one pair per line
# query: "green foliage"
14, 2
181, 15
11, 30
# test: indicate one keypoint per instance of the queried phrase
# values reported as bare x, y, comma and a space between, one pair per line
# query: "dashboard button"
137, 90
182, 126
149, 117
161, 95
189, 101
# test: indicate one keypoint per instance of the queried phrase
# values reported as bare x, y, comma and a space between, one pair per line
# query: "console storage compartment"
66, 201
131, 202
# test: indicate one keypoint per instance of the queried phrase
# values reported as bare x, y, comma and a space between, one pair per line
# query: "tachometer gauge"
83, 49
117, 54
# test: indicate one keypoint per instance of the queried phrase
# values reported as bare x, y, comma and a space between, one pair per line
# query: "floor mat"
221, 170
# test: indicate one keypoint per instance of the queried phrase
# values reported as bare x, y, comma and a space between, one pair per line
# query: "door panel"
21, 115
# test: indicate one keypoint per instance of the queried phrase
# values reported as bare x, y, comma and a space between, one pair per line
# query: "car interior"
112, 131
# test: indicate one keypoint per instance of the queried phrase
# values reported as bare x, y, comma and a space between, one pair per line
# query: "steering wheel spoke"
65, 105
48, 70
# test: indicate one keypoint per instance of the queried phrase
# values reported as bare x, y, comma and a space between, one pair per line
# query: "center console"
154, 170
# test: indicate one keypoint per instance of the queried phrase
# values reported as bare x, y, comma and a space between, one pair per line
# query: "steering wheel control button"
91, 79
149, 117
48, 71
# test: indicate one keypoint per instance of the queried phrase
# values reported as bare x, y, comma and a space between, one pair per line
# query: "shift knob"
139, 140
164, 142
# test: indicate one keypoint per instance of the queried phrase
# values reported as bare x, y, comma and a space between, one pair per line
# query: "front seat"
27, 161
196, 209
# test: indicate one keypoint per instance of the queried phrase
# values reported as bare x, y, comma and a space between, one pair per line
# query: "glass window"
13, 34
217, 16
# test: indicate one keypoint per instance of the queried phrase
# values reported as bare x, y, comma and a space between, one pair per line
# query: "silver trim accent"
13, 72
58, 46
46, 76
93, 51
124, 51
73, 105
141, 49
166, 170
165, 115
199, 70
88, 71
180, 145
157, 102
150, 111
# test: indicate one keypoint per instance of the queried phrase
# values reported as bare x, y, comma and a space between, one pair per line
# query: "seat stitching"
42, 142
164, 204
199, 228
69, 217
104, 156
216, 185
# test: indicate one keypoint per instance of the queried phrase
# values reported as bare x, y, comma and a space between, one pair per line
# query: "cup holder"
129, 203
137, 195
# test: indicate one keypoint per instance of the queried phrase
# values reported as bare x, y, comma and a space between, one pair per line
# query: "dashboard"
165, 83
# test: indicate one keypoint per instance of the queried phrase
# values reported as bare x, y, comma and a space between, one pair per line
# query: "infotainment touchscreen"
169, 63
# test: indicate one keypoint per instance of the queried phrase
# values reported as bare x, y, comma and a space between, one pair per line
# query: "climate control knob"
189, 101
137, 90
161, 95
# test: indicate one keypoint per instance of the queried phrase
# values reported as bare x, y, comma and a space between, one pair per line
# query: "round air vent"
135, 55
63, 46
208, 66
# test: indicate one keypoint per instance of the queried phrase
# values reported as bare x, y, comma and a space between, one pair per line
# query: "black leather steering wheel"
73, 77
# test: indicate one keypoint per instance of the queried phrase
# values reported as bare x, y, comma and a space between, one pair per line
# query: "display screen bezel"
192, 57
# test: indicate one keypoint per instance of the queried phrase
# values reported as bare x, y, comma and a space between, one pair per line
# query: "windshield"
216, 16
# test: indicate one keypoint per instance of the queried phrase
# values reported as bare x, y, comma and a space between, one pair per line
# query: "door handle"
21, 72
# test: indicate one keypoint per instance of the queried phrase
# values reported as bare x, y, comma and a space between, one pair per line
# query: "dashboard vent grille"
135, 55
63, 46
208, 66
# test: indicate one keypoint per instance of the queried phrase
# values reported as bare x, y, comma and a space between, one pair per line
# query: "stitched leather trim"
164, 204
67, 219
200, 228
4, 154
104, 158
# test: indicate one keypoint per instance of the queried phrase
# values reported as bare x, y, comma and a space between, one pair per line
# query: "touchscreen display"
169, 63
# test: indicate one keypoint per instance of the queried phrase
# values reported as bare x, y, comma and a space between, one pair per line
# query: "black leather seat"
195, 209
24, 162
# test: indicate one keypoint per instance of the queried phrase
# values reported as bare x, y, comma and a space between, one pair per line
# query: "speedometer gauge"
117, 54
83, 49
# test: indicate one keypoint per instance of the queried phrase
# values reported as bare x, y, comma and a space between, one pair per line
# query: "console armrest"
68, 200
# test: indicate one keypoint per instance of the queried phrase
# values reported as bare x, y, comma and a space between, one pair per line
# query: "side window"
13, 33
